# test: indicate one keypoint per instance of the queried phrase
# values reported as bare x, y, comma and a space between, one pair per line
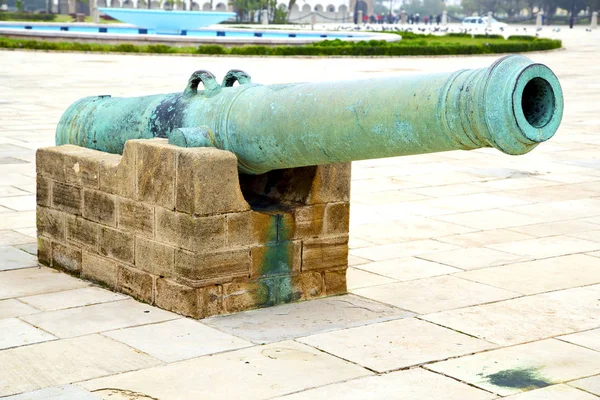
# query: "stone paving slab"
474, 258
258, 372
66, 392
12, 258
32, 281
554, 392
17, 333
540, 275
358, 278
14, 308
177, 340
408, 269
591, 384
96, 318
413, 384
525, 367
24, 369
527, 318
289, 321
425, 296
589, 339
397, 344
72, 298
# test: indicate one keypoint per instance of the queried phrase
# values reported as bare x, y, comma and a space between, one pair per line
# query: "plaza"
473, 275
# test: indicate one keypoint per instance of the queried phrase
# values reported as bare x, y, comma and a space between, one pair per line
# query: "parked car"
482, 22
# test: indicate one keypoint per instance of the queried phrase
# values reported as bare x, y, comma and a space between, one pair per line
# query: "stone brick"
134, 216
99, 206
251, 228
207, 182
99, 269
337, 219
210, 300
322, 254
335, 282
135, 283
278, 258
203, 269
192, 233
117, 173
308, 221
44, 251
156, 172
82, 167
82, 232
177, 298
66, 257
240, 296
66, 198
49, 163
51, 223
116, 244
308, 285
43, 191
331, 184
153, 257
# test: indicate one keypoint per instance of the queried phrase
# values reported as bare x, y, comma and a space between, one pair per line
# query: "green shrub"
160, 49
23, 16
523, 38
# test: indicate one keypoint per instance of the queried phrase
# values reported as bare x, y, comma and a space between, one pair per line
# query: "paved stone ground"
474, 274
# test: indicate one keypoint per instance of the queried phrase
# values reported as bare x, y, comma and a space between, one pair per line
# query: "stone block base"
180, 229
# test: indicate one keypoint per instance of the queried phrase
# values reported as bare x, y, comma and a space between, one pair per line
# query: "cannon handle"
236, 75
211, 87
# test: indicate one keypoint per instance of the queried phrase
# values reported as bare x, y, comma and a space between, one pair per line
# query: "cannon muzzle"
513, 105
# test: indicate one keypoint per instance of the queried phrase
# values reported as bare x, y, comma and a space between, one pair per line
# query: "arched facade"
319, 11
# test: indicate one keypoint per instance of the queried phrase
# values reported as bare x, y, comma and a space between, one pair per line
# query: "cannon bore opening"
538, 102
279, 189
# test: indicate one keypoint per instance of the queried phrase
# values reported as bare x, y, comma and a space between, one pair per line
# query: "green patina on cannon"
513, 105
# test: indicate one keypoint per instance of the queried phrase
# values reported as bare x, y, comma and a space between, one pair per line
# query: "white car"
482, 22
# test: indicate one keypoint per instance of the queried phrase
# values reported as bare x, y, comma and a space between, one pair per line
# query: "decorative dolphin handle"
513, 105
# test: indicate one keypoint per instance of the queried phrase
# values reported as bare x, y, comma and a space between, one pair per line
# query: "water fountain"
167, 22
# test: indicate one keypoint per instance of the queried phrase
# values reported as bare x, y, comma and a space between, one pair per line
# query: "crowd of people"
410, 19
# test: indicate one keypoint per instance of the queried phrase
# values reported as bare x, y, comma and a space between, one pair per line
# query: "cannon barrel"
513, 105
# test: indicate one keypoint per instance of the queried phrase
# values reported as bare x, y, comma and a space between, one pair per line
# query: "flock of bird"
427, 29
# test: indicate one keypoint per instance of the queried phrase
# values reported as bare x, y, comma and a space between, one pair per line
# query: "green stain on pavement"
518, 378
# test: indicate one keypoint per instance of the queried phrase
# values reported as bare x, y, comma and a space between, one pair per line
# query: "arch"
221, 7
128, 4
306, 8
319, 8
343, 9
360, 6
331, 8
282, 7
295, 8
195, 6
101, 3
206, 7
154, 5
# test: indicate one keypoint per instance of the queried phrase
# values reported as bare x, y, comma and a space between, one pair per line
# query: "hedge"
434, 46
16, 16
